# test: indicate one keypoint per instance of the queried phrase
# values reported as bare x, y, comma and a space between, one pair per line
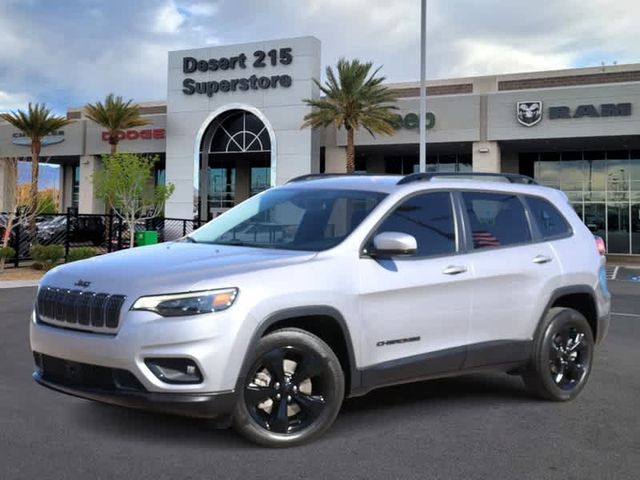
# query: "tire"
562, 356
281, 403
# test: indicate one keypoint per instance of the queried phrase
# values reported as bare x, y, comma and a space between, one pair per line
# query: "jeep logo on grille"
82, 283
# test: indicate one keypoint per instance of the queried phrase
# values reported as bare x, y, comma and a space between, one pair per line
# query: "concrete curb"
18, 283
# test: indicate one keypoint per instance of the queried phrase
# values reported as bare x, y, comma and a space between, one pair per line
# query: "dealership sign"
146, 134
411, 121
529, 113
19, 138
241, 62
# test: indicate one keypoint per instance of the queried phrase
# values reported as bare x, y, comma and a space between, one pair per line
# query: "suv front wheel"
562, 356
292, 391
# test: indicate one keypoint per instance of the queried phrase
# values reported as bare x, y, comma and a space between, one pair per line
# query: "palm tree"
115, 115
355, 98
36, 123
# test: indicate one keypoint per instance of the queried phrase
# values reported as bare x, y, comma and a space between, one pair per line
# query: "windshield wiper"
236, 243
190, 239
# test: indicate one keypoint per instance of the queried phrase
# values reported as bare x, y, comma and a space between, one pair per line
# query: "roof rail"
510, 177
317, 176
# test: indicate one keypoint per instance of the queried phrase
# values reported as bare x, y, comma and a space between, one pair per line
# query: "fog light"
174, 370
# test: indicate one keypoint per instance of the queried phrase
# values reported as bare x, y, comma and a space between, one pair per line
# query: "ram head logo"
529, 113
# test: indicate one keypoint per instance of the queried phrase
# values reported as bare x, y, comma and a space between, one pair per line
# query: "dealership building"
231, 127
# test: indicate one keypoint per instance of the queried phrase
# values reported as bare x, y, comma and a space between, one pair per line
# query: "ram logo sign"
529, 113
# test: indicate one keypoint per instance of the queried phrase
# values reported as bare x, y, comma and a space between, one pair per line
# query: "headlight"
191, 303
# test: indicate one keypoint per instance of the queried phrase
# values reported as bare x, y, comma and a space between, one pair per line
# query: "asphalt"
482, 426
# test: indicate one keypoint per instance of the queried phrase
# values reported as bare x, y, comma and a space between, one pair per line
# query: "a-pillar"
87, 201
486, 157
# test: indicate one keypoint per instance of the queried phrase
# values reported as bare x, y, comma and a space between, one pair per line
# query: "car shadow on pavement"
428, 396
472, 387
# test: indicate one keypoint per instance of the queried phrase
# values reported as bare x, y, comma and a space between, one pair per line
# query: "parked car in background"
82, 229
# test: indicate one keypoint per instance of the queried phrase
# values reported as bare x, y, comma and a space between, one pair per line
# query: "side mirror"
392, 244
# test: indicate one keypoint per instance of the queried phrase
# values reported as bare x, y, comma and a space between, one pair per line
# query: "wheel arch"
324, 321
578, 297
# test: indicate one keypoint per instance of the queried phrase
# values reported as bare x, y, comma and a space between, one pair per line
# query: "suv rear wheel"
292, 392
562, 356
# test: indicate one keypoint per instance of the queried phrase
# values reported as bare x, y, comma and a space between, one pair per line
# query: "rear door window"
549, 220
496, 219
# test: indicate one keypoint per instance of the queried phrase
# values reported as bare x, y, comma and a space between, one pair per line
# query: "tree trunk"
113, 141
132, 234
351, 163
33, 191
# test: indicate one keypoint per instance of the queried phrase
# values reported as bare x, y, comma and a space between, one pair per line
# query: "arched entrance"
235, 160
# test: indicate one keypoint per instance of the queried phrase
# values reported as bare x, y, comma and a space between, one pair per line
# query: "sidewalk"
18, 283
20, 277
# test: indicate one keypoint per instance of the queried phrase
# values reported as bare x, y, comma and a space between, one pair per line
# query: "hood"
167, 267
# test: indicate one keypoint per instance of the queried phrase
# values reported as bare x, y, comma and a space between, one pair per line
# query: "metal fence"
106, 233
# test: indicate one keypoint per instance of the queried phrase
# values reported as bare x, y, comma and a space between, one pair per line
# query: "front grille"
84, 375
64, 307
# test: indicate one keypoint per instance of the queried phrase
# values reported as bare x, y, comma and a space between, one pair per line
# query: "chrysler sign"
20, 138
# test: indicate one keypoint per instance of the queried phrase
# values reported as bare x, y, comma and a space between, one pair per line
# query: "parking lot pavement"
482, 426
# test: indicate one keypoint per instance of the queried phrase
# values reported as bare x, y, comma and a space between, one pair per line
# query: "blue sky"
69, 52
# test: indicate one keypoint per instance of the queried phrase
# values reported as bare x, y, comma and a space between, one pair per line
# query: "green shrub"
80, 253
47, 256
7, 252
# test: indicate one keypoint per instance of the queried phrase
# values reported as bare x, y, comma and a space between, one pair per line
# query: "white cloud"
168, 19
202, 9
13, 101
484, 58
68, 55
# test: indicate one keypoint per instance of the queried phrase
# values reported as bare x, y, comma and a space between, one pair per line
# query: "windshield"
291, 219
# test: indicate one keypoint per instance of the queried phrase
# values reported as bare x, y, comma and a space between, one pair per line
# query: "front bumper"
198, 405
215, 343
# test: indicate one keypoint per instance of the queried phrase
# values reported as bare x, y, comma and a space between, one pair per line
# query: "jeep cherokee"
325, 288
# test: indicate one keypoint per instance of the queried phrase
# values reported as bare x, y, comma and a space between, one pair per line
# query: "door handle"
454, 269
540, 259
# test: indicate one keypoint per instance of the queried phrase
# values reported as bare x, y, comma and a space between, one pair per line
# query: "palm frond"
353, 97
37, 122
115, 114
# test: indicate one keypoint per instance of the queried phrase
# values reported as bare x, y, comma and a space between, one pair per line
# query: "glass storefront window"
260, 179
603, 188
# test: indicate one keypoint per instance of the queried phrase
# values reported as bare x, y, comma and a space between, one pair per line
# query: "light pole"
422, 165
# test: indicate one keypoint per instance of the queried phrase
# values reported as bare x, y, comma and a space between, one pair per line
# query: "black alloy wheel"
569, 357
292, 391
562, 355
285, 393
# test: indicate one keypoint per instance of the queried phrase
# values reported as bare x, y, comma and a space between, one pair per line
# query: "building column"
4, 188
486, 157
335, 157
87, 201
66, 182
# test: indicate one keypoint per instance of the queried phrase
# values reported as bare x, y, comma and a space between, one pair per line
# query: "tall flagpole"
423, 88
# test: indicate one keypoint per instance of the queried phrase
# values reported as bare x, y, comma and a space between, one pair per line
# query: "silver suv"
326, 288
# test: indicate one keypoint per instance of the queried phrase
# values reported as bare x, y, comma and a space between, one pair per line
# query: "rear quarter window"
496, 219
551, 223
